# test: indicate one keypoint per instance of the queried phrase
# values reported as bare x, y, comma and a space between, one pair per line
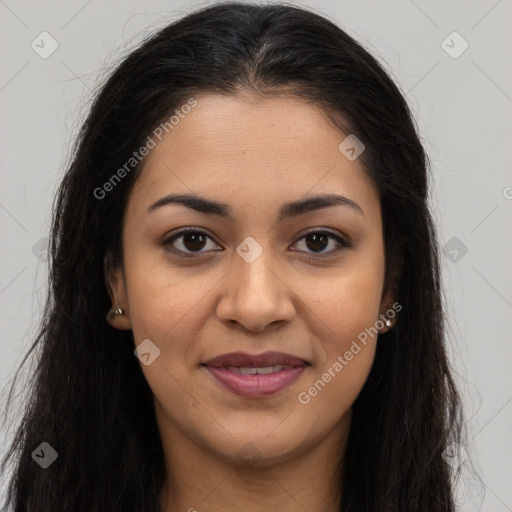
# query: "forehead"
273, 129
247, 149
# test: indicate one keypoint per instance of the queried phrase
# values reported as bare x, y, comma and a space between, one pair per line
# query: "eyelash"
343, 243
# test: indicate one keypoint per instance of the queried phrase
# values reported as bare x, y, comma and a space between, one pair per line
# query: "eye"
317, 241
193, 240
190, 241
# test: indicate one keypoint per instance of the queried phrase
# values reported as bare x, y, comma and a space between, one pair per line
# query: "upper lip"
246, 360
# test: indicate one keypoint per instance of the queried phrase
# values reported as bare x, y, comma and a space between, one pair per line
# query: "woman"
246, 212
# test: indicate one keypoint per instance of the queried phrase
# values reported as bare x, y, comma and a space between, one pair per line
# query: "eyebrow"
287, 210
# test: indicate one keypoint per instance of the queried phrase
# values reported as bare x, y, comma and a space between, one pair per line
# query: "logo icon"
455, 249
44, 455
40, 249
147, 352
351, 147
454, 455
249, 454
249, 250
454, 45
44, 45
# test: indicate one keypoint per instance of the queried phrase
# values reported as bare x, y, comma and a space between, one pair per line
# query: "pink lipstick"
255, 375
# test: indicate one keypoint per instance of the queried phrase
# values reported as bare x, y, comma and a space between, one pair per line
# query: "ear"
116, 288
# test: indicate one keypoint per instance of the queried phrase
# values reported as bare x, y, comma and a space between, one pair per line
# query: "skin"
253, 154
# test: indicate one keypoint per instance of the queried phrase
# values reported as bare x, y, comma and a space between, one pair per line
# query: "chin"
248, 449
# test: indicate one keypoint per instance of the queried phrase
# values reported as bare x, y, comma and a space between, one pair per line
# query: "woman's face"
258, 274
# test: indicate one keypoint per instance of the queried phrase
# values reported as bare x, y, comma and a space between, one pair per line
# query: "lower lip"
256, 386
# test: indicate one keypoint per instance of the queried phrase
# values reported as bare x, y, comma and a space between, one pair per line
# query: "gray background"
463, 109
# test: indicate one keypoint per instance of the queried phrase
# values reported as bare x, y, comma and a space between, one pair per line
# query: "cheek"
345, 351
348, 302
333, 388
163, 299
344, 310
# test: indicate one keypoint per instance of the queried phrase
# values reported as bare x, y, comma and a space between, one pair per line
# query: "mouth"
255, 376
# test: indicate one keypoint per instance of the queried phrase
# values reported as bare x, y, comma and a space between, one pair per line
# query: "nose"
255, 296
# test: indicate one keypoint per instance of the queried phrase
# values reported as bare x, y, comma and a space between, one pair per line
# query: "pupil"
193, 241
316, 238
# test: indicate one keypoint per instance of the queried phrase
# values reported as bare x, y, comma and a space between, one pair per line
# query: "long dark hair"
89, 399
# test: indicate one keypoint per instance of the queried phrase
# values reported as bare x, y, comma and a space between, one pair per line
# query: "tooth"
265, 370
248, 371
258, 371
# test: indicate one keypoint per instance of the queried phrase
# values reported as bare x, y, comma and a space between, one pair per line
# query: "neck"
198, 480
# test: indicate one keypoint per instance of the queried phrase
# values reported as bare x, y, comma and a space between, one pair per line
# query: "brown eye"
188, 242
194, 241
318, 241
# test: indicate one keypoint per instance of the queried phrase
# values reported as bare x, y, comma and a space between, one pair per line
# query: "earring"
117, 311
387, 322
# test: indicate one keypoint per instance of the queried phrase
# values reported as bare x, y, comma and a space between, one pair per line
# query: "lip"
258, 385
246, 360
